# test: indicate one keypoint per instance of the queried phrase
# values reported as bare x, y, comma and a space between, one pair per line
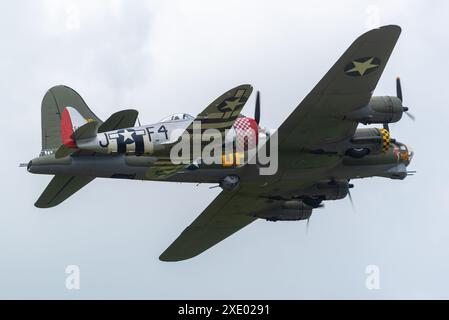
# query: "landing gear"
358, 153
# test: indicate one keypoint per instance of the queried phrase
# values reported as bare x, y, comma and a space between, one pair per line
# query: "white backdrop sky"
164, 57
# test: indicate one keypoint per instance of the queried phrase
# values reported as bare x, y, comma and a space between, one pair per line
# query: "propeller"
399, 88
411, 116
314, 206
257, 111
350, 186
400, 97
350, 199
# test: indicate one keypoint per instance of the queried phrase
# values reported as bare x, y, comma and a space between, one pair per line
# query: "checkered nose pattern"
247, 133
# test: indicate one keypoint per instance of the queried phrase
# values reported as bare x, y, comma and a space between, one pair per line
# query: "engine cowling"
327, 190
289, 211
369, 141
383, 109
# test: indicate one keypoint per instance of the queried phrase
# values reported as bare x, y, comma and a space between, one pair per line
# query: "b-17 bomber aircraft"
317, 151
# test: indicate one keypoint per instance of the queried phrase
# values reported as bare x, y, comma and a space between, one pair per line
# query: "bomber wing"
319, 119
229, 212
224, 216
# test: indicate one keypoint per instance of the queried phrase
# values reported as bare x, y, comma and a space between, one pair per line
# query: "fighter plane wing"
119, 120
223, 111
220, 114
347, 86
317, 121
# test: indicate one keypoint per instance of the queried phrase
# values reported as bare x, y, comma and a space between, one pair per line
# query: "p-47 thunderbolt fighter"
319, 148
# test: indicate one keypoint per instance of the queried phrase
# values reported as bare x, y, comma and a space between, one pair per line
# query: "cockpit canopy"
178, 117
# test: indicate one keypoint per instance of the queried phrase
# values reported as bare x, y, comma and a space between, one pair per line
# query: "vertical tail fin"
55, 101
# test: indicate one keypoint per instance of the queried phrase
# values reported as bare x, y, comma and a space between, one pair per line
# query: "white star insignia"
127, 135
231, 105
362, 67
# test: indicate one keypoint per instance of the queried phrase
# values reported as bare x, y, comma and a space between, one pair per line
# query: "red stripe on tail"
67, 130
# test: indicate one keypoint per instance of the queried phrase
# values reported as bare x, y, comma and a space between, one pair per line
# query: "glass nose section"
405, 153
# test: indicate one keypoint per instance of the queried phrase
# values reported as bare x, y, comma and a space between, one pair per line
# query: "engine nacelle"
369, 141
328, 190
289, 211
383, 109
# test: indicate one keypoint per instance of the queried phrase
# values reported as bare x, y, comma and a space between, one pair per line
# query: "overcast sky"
164, 57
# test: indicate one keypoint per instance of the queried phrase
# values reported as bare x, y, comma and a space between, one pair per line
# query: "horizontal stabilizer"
60, 188
119, 120
87, 131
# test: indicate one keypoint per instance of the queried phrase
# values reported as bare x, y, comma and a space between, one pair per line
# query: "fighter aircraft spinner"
317, 151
